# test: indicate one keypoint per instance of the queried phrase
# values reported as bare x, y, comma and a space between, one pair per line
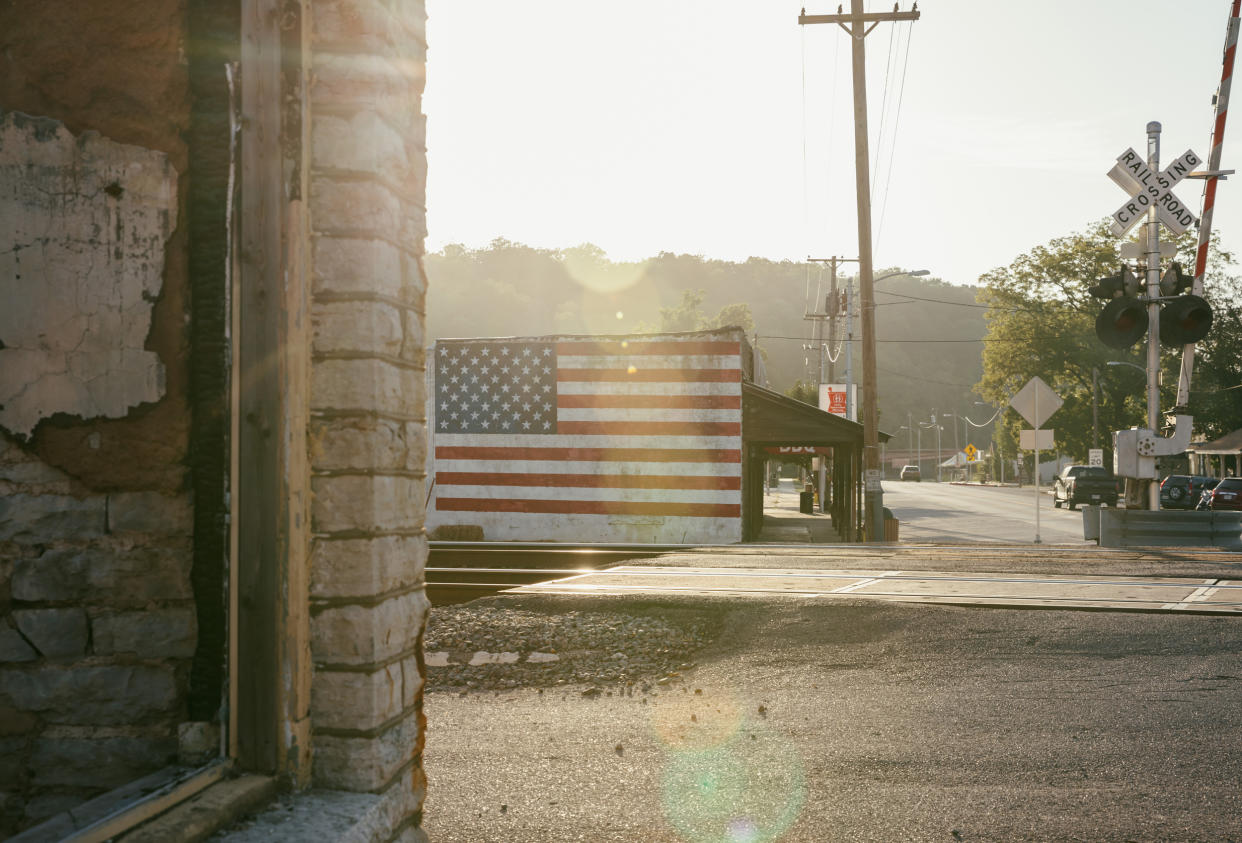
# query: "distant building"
643, 438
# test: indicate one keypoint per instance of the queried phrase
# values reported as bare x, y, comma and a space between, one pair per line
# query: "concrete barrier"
1111, 527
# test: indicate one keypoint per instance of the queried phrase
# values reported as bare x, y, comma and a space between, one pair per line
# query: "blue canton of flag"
496, 387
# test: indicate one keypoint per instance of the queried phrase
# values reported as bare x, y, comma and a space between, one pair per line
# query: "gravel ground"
482, 646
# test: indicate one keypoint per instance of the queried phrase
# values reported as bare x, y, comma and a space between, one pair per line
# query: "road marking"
908, 586
845, 589
1199, 594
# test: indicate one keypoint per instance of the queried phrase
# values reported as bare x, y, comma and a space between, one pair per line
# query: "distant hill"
928, 350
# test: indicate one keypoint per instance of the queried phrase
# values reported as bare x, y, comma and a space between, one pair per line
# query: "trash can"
891, 526
806, 503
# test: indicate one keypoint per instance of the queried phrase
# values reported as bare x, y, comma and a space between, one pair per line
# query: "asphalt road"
945, 512
863, 721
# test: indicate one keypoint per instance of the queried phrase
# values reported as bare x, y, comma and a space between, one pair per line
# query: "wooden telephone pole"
856, 24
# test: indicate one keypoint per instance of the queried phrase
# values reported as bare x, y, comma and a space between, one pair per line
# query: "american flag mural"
589, 439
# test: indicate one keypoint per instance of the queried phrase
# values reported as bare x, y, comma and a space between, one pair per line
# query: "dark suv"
1182, 491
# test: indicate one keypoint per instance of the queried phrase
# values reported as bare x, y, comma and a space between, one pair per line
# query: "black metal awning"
771, 419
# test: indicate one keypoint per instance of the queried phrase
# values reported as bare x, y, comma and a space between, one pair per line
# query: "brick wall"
367, 430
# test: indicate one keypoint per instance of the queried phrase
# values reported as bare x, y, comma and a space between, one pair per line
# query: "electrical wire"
892, 147
879, 135
956, 303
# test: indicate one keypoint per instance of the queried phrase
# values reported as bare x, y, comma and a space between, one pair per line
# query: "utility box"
1133, 455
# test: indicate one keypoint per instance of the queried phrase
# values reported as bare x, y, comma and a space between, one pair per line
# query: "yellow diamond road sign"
972, 453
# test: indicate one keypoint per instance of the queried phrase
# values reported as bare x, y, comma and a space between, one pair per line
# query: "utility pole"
831, 313
857, 21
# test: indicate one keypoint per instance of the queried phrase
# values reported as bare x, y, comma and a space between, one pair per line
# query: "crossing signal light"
1122, 322
1184, 320
1106, 288
1174, 281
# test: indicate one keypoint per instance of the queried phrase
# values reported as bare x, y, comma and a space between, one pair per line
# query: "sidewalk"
783, 523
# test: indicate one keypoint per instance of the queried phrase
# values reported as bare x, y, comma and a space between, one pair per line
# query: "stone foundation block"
412, 681
41, 518
361, 701
362, 26
58, 634
152, 634
365, 764
98, 762
361, 142
357, 326
348, 82
112, 571
150, 513
370, 384
13, 767
359, 444
414, 279
357, 205
368, 503
368, 635
414, 341
416, 444
363, 567
15, 648
349, 265
96, 695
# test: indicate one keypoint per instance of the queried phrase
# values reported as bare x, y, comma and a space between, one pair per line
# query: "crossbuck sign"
1148, 188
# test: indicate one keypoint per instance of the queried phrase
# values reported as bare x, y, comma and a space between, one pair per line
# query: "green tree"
1040, 321
805, 392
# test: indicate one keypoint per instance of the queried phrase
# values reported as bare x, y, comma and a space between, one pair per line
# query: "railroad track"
461, 571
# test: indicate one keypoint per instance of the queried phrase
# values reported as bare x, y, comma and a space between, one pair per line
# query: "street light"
1125, 363
871, 418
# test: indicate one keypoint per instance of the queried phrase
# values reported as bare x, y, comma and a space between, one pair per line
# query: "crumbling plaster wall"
97, 621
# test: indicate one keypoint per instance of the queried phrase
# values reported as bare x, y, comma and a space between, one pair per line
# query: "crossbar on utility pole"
857, 20
829, 314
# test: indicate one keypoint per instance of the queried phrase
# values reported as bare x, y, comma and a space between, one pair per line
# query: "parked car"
1227, 495
910, 472
1182, 491
1078, 484
1205, 497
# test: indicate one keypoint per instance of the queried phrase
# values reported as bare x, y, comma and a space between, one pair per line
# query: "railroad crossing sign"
1036, 401
972, 453
1147, 188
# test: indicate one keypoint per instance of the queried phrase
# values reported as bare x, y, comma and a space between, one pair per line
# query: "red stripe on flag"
699, 510
650, 428
588, 481
710, 402
465, 452
650, 375
633, 348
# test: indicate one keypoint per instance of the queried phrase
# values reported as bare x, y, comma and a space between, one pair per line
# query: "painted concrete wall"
646, 445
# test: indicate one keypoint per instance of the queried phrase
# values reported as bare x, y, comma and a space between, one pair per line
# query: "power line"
892, 148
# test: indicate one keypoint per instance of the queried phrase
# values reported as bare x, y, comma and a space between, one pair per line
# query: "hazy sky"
723, 128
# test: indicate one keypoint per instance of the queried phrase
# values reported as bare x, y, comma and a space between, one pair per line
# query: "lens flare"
749, 789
